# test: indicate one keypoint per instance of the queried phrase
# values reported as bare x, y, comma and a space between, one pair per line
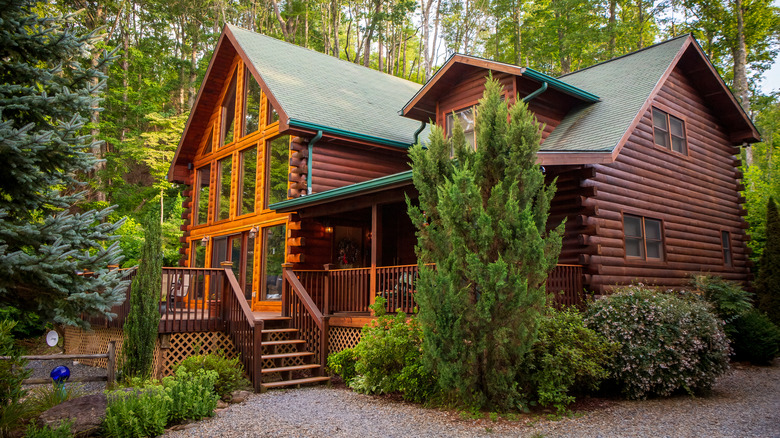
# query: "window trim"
669, 114
643, 258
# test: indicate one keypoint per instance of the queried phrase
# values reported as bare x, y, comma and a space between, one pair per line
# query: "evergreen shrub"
767, 282
755, 338
230, 372
567, 357
667, 343
12, 372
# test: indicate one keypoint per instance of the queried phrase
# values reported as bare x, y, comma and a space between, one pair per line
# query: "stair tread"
281, 330
283, 355
286, 341
308, 366
296, 382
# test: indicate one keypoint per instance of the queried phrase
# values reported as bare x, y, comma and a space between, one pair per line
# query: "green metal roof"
560, 85
343, 192
322, 92
624, 84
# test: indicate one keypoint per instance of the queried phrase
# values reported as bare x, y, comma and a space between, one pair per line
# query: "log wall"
696, 196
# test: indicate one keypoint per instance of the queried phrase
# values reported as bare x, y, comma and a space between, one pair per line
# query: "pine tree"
768, 280
140, 328
48, 89
481, 219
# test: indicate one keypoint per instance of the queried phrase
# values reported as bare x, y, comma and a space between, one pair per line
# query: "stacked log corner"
299, 168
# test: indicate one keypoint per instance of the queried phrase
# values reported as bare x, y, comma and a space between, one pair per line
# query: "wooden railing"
120, 310
397, 285
349, 290
315, 284
244, 331
565, 282
191, 299
305, 316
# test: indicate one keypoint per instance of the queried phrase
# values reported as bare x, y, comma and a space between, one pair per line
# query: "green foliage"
191, 394
567, 356
481, 218
230, 372
755, 338
137, 413
667, 343
140, 331
46, 397
767, 282
61, 431
28, 323
49, 88
343, 363
727, 298
12, 373
387, 359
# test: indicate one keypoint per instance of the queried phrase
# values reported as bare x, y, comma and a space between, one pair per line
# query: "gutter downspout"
311, 161
533, 95
418, 131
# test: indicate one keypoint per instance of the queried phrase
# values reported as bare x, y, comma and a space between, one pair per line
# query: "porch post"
285, 290
376, 249
326, 290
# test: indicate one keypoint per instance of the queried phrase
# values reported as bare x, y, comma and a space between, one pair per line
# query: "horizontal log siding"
562, 207
309, 246
696, 196
336, 165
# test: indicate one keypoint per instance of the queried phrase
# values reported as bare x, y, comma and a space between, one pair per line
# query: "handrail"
308, 303
236, 288
246, 333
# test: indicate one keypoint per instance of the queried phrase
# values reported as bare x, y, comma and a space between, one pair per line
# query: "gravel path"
745, 403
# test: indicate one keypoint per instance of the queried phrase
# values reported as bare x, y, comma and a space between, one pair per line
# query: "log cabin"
296, 172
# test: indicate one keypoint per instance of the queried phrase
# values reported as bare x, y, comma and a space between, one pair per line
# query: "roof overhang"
422, 106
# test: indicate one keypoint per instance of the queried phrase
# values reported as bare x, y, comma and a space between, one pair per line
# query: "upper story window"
202, 194
273, 116
643, 238
725, 239
278, 166
223, 188
209, 146
247, 181
466, 118
229, 113
253, 99
669, 132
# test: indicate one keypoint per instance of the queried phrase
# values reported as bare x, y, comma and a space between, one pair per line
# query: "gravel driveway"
745, 403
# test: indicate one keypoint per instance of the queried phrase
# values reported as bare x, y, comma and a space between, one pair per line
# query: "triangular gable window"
253, 101
229, 112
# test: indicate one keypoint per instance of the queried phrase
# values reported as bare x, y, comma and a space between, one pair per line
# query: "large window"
273, 116
209, 146
278, 163
223, 192
466, 119
643, 238
253, 99
202, 195
273, 257
249, 287
229, 113
248, 180
669, 132
725, 239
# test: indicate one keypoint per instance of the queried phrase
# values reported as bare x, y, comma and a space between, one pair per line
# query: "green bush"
137, 413
756, 338
567, 356
28, 324
343, 363
667, 343
728, 299
61, 431
13, 411
388, 358
230, 372
191, 395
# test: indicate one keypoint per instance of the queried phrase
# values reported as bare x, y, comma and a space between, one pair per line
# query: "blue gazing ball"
60, 374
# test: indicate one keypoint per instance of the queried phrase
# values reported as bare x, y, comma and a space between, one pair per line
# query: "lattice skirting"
179, 346
78, 341
342, 338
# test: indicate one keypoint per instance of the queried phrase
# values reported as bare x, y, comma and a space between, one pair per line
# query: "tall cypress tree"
482, 218
140, 328
48, 88
768, 280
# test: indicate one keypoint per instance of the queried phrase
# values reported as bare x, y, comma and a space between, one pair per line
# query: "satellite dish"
52, 338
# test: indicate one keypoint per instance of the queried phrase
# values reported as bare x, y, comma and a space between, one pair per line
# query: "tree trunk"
612, 27
739, 53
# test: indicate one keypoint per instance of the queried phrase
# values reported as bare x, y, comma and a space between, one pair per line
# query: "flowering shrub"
667, 343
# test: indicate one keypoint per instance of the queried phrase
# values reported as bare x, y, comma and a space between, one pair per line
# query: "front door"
270, 294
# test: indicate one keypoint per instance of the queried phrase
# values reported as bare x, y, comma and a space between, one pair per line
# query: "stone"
239, 396
221, 404
85, 413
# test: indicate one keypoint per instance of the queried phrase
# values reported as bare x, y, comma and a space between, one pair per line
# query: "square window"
467, 120
643, 237
669, 132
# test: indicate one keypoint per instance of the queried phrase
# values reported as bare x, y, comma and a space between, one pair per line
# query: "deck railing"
565, 282
305, 316
245, 332
397, 285
348, 290
191, 299
121, 310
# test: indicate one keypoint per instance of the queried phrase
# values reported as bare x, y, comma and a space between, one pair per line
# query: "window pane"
223, 203
204, 175
250, 268
246, 202
273, 257
252, 102
229, 112
632, 226
466, 119
661, 138
652, 229
448, 123
659, 119
725, 239
209, 146
653, 249
273, 116
235, 254
676, 126
678, 145
278, 163
198, 254
634, 247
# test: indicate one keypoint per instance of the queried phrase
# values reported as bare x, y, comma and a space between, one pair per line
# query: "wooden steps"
285, 359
